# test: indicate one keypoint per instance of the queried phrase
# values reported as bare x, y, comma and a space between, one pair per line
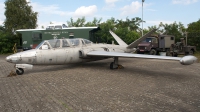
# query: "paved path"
143, 85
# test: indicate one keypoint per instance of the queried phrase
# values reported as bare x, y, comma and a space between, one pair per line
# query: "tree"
95, 22
126, 35
103, 34
2, 29
126, 30
80, 22
174, 29
132, 25
194, 26
193, 31
6, 41
19, 15
146, 30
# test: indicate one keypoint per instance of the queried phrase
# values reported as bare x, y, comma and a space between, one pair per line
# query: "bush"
7, 42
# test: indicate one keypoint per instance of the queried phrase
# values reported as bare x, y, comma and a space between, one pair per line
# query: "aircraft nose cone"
12, 59
8, 59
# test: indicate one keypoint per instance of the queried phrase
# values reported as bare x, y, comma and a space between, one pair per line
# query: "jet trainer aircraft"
78, 50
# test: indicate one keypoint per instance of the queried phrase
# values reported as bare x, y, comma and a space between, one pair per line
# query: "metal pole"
142, 17
186, 38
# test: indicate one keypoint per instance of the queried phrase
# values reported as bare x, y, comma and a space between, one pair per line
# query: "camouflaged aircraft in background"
78, 50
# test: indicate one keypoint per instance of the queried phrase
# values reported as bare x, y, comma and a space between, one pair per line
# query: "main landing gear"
115, 65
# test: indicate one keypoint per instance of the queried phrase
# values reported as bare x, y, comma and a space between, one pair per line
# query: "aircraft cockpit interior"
62, 43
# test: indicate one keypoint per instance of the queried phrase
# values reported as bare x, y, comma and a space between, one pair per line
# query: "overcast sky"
154, 11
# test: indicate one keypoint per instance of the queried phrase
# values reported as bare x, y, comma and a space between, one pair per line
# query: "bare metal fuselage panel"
63, 55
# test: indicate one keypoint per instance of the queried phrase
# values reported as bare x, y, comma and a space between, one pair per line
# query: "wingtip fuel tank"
188, 60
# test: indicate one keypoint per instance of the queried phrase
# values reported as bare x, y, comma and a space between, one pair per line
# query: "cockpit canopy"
62, 43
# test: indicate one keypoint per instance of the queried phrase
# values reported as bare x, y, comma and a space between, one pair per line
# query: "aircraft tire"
111, 65
20, 73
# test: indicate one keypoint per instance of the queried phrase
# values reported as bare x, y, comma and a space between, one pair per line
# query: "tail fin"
119, 40
136, 42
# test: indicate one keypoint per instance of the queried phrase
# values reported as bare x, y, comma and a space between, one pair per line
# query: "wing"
186, 60
129, 55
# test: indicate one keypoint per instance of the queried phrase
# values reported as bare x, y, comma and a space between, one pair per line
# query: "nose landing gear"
19, 71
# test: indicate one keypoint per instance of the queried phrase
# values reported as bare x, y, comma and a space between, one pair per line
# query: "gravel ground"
143, 85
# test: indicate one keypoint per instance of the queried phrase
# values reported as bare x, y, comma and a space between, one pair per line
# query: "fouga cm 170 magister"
78, 50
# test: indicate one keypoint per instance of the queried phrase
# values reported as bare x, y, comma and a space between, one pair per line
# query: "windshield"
39, 45
53, 43
147, 40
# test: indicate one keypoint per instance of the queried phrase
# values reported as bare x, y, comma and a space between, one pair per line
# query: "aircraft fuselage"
62, 55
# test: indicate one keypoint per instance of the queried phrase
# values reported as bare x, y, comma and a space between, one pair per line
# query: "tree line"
130, 30
19, 15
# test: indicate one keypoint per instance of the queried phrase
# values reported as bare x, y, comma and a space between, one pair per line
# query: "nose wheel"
19, 71
19, 68
115, 65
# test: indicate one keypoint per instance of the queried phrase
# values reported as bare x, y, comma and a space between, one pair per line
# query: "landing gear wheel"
115, 65
112, 65
19, 71
153, 52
